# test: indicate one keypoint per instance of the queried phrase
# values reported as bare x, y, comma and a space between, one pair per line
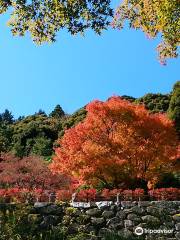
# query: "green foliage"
57, 112
38, 133
174, 107
70, 211
6, 117
154, 18
6, 132
80, 236
115, 236
43, 19
18, 150
35, 135
155, 102
40, 112
42, 146
129, 98
73, 120
168, 180
16, 225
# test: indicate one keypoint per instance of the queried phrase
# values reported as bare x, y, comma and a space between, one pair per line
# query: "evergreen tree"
40, 112
57, 112
129, 98
42, 147
174, 106
7, 117
20, 118
5, 137
155, 102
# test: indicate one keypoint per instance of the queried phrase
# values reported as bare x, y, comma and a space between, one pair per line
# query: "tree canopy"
57, 112
38, 134
174, 106
156, 103
153, 17
29, 172
126, 135
116, 142
6, 117
6, 133
35, 135
43, 19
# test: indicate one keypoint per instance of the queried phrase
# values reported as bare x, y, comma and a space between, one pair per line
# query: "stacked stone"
122, 219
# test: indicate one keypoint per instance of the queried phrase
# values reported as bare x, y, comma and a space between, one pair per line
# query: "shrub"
138, 194
63, 195
108, 194
16, 226
165, 194
86, 195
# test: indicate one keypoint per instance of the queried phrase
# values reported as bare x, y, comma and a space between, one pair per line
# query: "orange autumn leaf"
118, 140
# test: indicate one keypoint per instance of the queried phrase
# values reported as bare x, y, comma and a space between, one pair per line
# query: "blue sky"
75, 70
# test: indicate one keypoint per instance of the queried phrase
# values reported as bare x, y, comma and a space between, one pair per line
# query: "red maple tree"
29, 173
118, 141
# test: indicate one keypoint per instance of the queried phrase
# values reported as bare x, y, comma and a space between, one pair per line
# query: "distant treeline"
38, 133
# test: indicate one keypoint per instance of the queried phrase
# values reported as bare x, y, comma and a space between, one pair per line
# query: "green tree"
27, 131
174, 106
42, 147
18, 149
20, 118
155, 102
57, 112
73, 120
6, 132
129, 98
153, 17
7, 117
43, 19
40, 112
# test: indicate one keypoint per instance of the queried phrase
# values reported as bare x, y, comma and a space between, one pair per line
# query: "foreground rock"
122, 220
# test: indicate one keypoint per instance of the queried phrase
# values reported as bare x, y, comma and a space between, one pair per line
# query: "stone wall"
159, 220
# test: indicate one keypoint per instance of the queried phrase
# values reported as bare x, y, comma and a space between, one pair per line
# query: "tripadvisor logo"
139, 231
